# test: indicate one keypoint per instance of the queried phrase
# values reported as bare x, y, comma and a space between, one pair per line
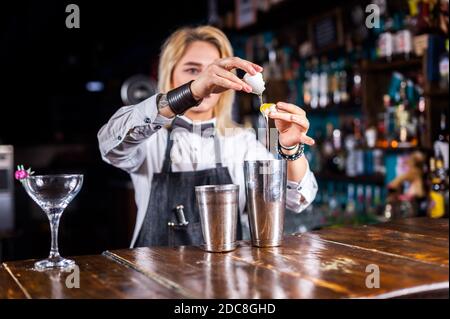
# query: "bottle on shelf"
342, 82
356, 77
315, 84
360, 200
307, 93
350, 144
369, 202
323, 84
438, 193
441, 145
359, 145
385, 41
377, 200
327, 148
334, 91
382, 125
421, 122
338, 157
350, 209
403, 44
443, 68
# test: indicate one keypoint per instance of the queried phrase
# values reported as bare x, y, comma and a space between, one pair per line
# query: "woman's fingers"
225, 83
307, 140
296, 119
257, 67
233, 78
291, 118
291, 108
238, 63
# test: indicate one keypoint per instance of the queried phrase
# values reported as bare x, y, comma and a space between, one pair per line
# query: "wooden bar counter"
411, 255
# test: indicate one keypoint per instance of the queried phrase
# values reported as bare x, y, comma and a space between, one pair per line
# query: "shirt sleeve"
300, 195
120, 139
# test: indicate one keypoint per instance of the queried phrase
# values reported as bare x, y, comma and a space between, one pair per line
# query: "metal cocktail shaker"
265, 186
218, 207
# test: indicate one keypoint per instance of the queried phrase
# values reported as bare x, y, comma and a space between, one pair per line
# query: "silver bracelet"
290, 148
293, 157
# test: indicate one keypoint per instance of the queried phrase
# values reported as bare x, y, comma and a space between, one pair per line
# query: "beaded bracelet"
293, 157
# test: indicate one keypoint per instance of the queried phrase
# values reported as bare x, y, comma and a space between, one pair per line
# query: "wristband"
181, 99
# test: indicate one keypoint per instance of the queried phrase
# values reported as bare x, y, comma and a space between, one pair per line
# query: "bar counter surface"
411, 255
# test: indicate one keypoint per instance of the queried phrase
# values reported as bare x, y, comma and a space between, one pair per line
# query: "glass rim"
269, 160
55, 175
217, 188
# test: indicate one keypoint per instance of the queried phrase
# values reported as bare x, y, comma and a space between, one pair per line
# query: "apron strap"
167, 164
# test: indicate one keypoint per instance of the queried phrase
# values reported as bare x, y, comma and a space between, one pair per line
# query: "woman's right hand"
217, 77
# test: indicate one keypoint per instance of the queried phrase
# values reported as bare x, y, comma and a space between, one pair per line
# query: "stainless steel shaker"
218, 208
265, 186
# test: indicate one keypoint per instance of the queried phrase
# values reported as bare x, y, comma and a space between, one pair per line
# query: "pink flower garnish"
21, 173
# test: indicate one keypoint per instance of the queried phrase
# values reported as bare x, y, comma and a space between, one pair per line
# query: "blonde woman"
161, 142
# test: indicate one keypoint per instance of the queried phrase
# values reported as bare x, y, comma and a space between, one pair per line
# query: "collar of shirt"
203, 128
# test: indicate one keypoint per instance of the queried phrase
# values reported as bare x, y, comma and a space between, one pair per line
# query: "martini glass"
53, 193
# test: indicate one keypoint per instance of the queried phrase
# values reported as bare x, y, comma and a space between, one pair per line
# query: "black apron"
171, 189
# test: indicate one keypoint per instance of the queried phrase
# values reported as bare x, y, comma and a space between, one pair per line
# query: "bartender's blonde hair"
173, 50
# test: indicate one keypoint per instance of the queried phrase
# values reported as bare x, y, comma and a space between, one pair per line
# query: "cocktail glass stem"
54, 216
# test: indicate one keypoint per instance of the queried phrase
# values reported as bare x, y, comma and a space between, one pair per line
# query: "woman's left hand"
292, 124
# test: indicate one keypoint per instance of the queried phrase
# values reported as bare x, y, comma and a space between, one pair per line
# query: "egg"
266, 108
256, 82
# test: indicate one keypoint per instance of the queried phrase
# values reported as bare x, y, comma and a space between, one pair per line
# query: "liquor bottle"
307, 94
390, 122
402, 135
315, 82
440, 169
422, 123
443, 69
342, 196
377, 202
424, 18
323, 84
441, 145
350, 208
382, 138
441, 150
360, 200
359, 144
356, 89
385, 43
350, 147
343, 80
369, 203
402, 118
335, 94
437, 194
404, 37
404, 41
338, 158
327, 148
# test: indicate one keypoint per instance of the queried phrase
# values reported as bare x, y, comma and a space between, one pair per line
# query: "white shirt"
134, 139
